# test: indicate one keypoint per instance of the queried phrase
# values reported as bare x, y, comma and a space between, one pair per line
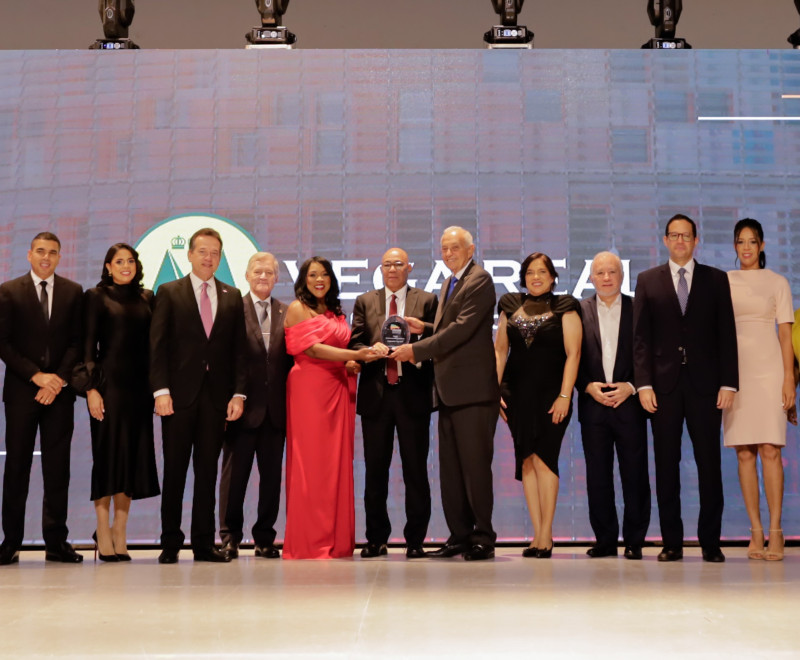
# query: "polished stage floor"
569, 606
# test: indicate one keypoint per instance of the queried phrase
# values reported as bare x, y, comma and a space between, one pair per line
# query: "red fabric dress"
320, 512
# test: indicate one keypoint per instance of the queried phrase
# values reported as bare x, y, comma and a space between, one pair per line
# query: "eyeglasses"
397, 265
674, 236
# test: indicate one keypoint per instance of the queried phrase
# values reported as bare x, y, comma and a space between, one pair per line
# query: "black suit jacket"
266, 373
707, 332
591, 365
369, 314
180, 353
26, 338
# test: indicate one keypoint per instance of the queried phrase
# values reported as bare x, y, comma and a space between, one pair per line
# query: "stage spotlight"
116, 16
508, 34
271, 34
794, 37
664, 16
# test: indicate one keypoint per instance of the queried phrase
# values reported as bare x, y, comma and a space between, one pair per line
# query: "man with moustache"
261, 431
394, 396
468, 396
40, 342
610, 414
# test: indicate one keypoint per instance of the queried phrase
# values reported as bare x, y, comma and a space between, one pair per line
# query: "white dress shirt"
401, 310
37, 283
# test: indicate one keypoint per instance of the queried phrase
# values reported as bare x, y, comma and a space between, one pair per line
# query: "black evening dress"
116, 355
533, 374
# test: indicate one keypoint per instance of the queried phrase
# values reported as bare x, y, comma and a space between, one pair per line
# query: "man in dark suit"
468, 396
40, 341
686, 368
610, 414
198, 376
393, 395
261, 431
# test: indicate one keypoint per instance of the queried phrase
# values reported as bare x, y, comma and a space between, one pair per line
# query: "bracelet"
563, 396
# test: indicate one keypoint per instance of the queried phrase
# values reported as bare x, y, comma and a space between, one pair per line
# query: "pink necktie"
205, 310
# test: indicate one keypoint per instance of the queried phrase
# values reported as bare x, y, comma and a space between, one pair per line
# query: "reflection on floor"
569, 605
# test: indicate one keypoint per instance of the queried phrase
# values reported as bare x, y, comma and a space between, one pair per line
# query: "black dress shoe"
268, 551
597, 551
231, 549
8, 555
63, 553
374, 550
211, 554
415, 552
544, 553
633, 552
714, 555
479, 551
530, 552
168, 556
448, 550
670, 554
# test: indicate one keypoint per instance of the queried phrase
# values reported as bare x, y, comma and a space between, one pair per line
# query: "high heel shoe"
758, 551
123, 556
772, 555
97, 553
542, 553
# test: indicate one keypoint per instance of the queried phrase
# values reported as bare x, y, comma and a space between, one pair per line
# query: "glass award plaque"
395, 332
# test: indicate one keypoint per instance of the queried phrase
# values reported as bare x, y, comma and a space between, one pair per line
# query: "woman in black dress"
538, 347
117, 315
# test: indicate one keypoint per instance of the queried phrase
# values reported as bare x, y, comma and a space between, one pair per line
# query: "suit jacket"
29, 343
591, 365
461, 347
369, 314
706, 333
266, 372
180, 353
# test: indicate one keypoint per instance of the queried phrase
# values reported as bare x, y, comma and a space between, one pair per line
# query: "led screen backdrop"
344, 153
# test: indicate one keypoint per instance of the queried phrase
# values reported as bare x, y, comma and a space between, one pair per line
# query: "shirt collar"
37, 280
400, 293
617, 303
196, 281
460, 273
674, 268
257, 300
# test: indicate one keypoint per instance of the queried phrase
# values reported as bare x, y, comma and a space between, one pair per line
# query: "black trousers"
627, 433
55, 424
413, 438
703, 421
264, 443
466, 449
191, 434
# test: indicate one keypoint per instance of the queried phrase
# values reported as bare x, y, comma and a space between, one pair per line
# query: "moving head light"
116, 15
664, 16
271, 33
508, 34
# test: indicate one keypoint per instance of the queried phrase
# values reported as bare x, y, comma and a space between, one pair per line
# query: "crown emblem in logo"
178, 243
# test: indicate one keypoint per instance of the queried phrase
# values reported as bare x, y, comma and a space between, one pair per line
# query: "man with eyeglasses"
685, 368
394, 396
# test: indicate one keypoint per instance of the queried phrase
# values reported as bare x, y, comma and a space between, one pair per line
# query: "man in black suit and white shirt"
198, 377
610, 414
393, 395
40, 342
686, 367
261, 431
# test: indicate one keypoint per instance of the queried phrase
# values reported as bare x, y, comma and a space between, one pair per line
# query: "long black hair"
305, 296
758, 230
107, 280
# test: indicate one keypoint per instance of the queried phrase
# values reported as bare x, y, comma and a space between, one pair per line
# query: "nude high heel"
756, 553
772, 555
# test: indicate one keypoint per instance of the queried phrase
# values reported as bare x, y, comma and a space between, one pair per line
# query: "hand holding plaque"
395, 332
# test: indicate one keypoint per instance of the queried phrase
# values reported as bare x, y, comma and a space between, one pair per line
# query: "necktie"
45, 300
205, 310
391, 366
683, 290
264, 322
453, 281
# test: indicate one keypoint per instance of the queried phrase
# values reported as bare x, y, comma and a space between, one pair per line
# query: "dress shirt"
608, 318
401, 310
37, 283
674, 268
197, 287
268, 307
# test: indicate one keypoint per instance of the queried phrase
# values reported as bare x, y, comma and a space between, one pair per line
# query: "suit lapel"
444, 302
192, 308
252, 326
624, 340
666, 281
35, 302
593, 325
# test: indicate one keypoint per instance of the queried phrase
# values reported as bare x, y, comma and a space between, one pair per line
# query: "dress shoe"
8, 555
415, 552
544, 553
231, 549
597, 551
479, 551
97, 553
64, 553
448, 550
633, 552
713, 555
268, 551
374, 550
670, 554
168, 556
211, 554
530, 552
123, 556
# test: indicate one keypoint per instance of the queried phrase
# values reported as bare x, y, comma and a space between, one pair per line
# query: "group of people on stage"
240, 375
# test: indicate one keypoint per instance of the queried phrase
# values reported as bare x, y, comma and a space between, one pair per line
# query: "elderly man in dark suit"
391, 396
610, 414
468, 396
686, 368
198, 377
40, 341
261, 431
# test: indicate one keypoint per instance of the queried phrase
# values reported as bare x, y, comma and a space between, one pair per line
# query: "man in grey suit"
394, 396
260, 432
468, 395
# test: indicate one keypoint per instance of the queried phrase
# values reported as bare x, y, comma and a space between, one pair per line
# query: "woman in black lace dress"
538, 347
117, 314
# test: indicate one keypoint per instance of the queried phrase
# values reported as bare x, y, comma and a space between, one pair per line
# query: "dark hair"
306, 297
205, 231
46, 236
680, 216
758, 230
105, 277
548, 263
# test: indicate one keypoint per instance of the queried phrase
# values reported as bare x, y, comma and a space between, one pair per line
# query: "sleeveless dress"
320, 396
761, 298
533, 373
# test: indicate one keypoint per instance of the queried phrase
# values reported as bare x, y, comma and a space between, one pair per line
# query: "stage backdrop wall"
344, 153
